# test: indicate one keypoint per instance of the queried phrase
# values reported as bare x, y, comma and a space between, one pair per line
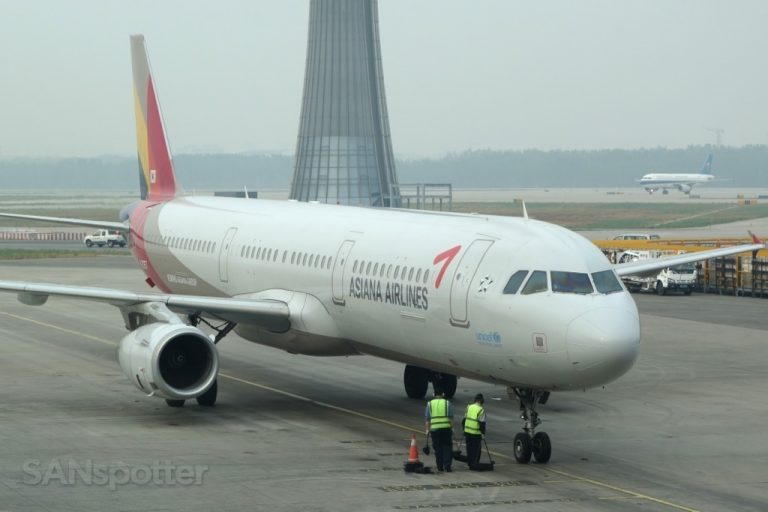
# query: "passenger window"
293, 258
277, 251
410, 274
304, 260
383, 270
536, 283
426, 276
368, 268
606, 282
330, 262
269, 254
397, 271
404, 273
317, 260
311, 259
389, 271
375, 269
571, 282
514, 282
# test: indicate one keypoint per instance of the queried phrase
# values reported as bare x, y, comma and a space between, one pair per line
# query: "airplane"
511, 301
683, 182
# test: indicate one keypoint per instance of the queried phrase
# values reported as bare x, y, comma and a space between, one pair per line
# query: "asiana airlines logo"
403, 295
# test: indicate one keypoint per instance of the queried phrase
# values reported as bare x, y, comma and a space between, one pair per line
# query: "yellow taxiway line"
574, 477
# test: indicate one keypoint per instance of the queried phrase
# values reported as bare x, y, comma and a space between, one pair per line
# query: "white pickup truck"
104, 237
680, 278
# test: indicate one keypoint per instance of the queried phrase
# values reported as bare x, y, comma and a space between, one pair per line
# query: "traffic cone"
413, 465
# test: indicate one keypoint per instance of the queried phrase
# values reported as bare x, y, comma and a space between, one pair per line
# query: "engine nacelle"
174, 361
685, 189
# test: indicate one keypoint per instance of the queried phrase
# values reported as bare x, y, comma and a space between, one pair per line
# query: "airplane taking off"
510, 301
683, 182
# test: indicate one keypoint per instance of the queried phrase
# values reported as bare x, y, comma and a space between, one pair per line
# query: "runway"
683, 430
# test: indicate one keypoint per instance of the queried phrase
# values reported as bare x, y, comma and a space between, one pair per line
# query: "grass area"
623, 215
30, 254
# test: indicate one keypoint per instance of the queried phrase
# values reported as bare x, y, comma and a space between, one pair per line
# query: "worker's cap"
479, 397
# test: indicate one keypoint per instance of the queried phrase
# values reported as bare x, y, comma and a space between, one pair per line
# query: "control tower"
344, 148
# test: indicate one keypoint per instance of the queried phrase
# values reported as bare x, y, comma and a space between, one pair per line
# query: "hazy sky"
499, 74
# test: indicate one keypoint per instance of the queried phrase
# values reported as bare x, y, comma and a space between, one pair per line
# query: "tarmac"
685, 429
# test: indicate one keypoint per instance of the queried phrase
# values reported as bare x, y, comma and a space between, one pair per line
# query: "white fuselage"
682, 181
369, 281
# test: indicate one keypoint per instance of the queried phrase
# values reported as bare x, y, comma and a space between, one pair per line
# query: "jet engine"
685, 189
170, 360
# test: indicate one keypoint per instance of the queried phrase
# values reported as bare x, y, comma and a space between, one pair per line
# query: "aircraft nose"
603, 344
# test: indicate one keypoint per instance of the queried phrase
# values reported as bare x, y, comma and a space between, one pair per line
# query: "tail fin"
707, 167
156, 176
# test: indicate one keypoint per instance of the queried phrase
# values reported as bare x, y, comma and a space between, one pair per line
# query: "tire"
660, 290
449, 383
523, 448
88, 243
687, 292
542, 447
174, 403
416, 381
110, 244
208, 399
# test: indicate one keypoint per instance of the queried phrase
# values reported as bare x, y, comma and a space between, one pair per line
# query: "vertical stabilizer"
156, 176
707, 167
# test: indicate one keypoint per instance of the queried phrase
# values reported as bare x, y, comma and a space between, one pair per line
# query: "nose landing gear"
529, 442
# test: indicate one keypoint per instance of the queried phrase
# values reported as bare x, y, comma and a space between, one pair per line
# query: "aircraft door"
226, 245
462, 279
338, 271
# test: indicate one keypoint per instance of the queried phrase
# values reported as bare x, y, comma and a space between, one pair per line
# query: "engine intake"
173, 361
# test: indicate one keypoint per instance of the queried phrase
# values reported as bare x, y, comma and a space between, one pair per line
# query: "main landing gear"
417, 379
530, 443
207, 399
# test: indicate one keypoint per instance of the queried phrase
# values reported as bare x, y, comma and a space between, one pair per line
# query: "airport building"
344, 149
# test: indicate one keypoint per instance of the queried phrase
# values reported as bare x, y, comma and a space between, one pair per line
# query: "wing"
272, 315
633, 268
117, 226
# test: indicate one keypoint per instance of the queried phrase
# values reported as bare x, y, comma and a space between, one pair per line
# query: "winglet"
754, 238
156, 177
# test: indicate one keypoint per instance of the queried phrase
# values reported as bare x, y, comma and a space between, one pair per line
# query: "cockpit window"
606, 282
536, 283
571, 282
514, 282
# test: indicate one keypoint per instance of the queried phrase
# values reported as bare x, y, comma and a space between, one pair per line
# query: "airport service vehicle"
511, 301
104, 237
637, 236
681, 278
684, 182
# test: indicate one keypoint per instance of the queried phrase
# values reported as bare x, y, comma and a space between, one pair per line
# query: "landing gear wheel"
523, 448
208, 399
448, 383
416, 381
542, 447
174, 403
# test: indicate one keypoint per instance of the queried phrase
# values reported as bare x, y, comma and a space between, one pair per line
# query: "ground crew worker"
474, 430
439, 422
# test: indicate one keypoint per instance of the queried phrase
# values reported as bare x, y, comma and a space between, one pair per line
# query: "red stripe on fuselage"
138, 220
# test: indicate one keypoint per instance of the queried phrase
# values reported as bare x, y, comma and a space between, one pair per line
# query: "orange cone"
413, 465
413, 454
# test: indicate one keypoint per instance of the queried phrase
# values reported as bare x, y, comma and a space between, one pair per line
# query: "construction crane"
719, 133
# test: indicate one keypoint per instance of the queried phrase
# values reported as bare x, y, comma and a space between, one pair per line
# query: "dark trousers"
442, 443
473, 449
